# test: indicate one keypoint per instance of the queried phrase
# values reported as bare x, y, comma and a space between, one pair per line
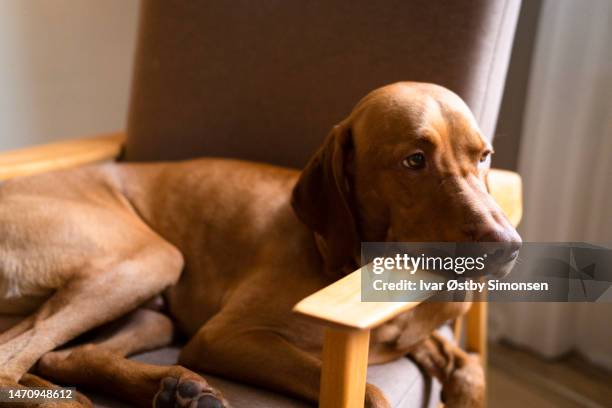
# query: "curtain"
566, 164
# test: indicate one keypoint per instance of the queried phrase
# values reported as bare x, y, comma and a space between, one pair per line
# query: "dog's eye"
414, 161
485, 156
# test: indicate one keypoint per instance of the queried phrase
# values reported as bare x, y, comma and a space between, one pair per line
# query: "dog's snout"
502, 244
500, 235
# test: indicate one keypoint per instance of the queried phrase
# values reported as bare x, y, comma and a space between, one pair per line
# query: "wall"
510, 122
65, 68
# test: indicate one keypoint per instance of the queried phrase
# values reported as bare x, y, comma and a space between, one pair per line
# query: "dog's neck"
352, 263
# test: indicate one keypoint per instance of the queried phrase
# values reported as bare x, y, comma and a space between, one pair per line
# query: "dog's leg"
461, 374
263, 358
31, 380
17, 329
103, 366
137, 332
157, 332
244, 355
139, 383
88, 300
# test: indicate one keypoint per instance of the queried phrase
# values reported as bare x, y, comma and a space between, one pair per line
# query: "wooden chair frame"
338, 307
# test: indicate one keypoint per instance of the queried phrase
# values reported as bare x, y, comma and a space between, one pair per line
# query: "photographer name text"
454, 285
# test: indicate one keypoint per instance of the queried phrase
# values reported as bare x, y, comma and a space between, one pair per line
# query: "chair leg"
345, 364
476, 329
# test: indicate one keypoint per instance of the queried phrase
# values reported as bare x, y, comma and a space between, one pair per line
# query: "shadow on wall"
510, 121
65, 68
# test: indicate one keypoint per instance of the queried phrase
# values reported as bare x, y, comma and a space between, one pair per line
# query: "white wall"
65, 68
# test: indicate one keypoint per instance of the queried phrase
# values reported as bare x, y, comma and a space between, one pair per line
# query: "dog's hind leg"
17, 329
91, 298
141, 384
137, 332
33, 381
102, 366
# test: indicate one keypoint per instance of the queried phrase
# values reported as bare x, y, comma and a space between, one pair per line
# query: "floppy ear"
321, 200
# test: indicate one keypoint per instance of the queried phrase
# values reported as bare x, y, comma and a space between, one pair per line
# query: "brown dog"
233, 246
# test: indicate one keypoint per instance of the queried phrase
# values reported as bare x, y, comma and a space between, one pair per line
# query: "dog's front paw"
188, 390
465, 388
375, 398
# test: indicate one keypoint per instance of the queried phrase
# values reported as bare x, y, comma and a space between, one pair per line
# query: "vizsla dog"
232, 246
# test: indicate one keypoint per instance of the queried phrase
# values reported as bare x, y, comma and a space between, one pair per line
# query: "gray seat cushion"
402, 382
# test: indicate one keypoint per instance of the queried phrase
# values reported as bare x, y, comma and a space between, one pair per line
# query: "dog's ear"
321, 200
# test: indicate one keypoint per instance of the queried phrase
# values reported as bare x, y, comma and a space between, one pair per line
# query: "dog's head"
408, 165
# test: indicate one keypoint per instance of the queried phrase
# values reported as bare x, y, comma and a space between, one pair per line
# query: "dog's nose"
501, 245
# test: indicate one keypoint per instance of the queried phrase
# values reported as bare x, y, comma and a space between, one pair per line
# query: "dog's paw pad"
189, 392
208, 401
164, 399
169, 384
188, 389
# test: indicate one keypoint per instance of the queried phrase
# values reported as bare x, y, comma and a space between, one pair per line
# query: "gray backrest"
265, 80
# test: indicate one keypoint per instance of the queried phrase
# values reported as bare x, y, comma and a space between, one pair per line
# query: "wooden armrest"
60, 155
340, 305
506, 188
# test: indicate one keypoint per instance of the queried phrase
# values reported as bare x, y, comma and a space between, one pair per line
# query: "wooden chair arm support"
506, 188
348, 320
60, 155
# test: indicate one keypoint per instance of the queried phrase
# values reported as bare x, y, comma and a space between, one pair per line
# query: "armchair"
265, 81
